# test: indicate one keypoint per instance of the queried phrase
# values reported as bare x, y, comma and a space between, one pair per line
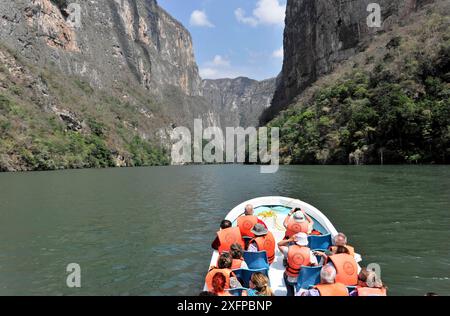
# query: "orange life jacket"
350, 249
236, 264
298, 256
229, 236
294, 227
266, 243
246, 223
210, 276
224, 293
335, 289
368, 291
346, 268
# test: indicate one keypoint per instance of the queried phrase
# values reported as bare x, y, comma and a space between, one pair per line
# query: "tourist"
247, 221
219, 284
340, 240
296, 251
263, 241
328, 285
297, 222
238, 262
259, 285
223, 225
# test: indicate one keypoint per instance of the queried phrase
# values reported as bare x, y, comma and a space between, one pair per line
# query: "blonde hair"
261, 283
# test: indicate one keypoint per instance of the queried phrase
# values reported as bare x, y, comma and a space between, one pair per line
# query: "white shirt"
253, 247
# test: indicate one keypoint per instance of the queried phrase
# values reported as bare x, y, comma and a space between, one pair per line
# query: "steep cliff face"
387, 104
117, 41
240, 101
319, 34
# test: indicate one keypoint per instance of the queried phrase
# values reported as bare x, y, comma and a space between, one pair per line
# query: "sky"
233, 38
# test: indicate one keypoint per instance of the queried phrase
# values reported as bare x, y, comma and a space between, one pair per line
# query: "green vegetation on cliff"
390, 105
49, 121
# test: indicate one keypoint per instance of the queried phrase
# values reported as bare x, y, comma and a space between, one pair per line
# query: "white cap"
301, 239
299, 216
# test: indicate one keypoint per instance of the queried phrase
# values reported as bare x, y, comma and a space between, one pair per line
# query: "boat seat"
256, 260
308, 276
322, 242
244, 275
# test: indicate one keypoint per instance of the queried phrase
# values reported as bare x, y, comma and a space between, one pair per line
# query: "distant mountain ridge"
243, 99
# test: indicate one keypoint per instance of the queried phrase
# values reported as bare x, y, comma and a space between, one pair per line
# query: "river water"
147, 231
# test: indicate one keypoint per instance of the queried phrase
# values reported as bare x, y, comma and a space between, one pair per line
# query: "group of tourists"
250, 234
338, 274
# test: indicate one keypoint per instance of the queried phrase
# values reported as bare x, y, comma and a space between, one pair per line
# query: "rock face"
117, 41
121, 44
240, 101
321, 33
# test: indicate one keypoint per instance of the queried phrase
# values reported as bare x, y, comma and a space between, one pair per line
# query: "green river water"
147, 231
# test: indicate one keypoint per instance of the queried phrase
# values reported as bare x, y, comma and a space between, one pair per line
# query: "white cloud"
208, 73
267, 12
220, 61
199, 18
240, 16
219, 67
216, 73
279, 53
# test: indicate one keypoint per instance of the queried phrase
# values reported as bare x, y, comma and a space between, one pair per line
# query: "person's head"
299, 216
328, 274
206, 293
219, 282
342, 249
236, 251
260, 283
259, 230
225, 224
363, 274
340, 239
369, 278
248, 209
225, 261
301, 239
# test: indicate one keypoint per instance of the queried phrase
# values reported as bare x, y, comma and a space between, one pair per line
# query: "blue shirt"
252, 292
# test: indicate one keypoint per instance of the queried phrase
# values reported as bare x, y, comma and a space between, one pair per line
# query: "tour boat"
273, 210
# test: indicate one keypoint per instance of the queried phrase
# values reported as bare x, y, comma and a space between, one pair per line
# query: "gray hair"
328, 274
249, 209
342, 235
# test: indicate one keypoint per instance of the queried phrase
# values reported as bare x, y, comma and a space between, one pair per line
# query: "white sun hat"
301, 239
299, 216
